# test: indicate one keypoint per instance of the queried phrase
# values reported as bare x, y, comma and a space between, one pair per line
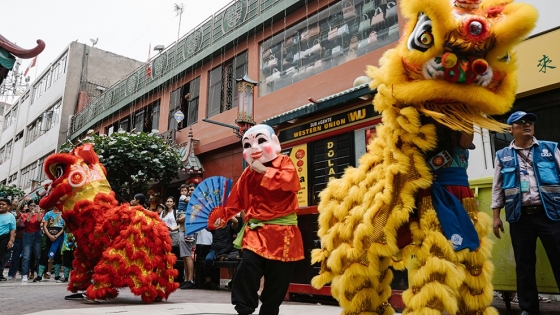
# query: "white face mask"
260, 144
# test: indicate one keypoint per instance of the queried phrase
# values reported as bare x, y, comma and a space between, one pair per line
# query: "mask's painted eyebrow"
258, 134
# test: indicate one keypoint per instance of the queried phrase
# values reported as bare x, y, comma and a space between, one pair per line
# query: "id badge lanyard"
525, 187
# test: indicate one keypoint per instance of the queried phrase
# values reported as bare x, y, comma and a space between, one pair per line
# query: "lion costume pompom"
454, 65
117, 245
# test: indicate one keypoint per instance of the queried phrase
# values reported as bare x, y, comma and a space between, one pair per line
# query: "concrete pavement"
191, 308
47, 297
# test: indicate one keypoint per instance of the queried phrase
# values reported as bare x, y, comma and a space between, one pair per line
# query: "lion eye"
421, 38
426, 38
475, 28
506, 58
59, 171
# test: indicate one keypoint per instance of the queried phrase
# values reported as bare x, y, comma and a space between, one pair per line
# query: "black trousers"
4, 240
524, 234
67, 258
246, 283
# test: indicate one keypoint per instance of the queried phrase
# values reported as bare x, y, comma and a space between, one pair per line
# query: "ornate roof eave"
21, 52
191, 163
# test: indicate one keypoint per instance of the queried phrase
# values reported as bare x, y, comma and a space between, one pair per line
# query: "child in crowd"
68, 246
53, 228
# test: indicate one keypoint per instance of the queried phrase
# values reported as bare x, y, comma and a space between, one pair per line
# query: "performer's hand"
498, 225
218, 223
258, 167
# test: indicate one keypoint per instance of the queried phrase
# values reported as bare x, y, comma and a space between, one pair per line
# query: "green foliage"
11, 191
134, 159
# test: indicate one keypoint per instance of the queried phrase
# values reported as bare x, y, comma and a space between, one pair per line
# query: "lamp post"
245, 104
245, 107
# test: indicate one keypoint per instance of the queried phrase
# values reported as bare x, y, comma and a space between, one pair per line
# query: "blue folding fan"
209, 194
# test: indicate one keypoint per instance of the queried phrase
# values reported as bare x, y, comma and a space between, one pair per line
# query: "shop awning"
329, 102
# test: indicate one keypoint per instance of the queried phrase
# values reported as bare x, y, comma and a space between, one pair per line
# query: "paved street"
47, 297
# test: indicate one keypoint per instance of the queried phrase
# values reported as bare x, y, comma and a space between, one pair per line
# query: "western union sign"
326, 124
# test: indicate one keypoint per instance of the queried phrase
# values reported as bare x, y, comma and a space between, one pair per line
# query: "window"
51, 117
59, 68
52, 75
33, 131
41, 176
28, 174
124, 125
8, 154
10, 117
325, 40
222, 93
12, 179
19, 136
47, 121
2, 153
184, 99
139, 120
176, 102
7, 120
192, 111
155, 115
39, 88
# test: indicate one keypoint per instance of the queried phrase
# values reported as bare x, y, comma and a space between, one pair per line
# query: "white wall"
548, 14
481, 158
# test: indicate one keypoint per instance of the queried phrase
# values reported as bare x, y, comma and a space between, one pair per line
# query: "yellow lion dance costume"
453, 66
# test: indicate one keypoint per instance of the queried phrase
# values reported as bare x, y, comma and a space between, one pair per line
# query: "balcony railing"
186, 52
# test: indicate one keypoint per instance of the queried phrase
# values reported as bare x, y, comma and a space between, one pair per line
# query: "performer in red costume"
270, 239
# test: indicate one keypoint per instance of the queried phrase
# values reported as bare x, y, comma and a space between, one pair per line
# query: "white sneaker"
542, 299
10, 278
23, 278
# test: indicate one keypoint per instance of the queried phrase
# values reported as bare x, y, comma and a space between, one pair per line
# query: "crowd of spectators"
42, 248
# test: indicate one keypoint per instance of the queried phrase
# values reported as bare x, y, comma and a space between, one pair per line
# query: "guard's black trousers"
524, 235
277, 275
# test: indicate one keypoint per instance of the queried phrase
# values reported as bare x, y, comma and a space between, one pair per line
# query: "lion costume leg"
434, 274
80, 277
365, 290
477, 292
144, 268
445, 281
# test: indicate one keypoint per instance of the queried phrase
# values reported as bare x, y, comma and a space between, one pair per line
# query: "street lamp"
245, 106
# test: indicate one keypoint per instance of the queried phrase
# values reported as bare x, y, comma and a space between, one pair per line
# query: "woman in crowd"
32, 237
169, 217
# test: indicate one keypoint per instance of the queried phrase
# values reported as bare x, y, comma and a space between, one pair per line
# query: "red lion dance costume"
118, 245
454, 66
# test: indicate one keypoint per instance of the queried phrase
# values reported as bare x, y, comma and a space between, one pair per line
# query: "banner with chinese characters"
298, 154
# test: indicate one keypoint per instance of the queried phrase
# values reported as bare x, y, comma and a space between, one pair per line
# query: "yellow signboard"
298, 154
539, 63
